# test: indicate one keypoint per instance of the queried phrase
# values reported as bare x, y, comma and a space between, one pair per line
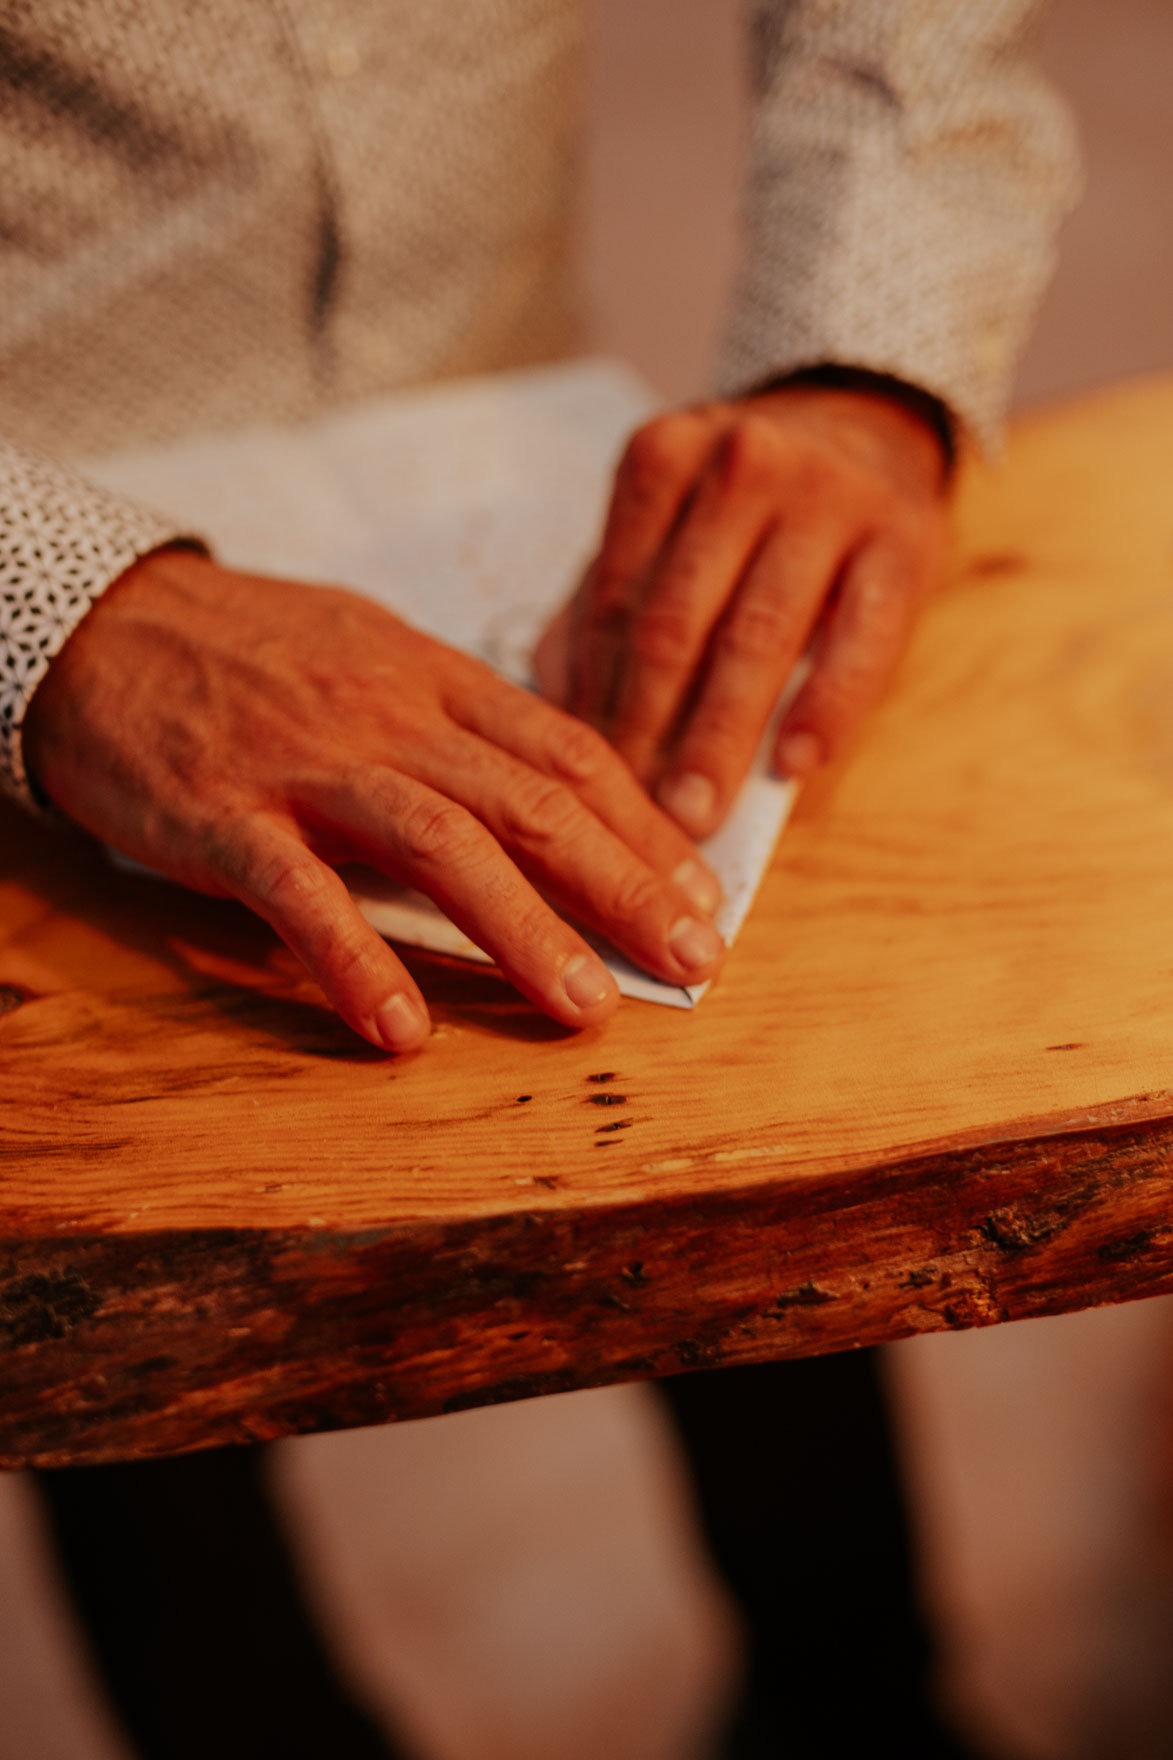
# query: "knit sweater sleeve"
63, 541
909, 172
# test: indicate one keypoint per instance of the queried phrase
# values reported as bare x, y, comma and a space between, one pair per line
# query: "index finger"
752, 653
568, 750
652, 485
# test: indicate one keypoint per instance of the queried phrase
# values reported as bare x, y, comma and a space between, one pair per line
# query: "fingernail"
690, 798
694, 943
402, 1022
701, 886
800, 753
587, 981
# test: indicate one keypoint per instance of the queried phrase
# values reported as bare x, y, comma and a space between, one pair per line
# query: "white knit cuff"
909, 171
62, 542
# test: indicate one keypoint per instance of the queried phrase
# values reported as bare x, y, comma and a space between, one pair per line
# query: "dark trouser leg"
180, 1572
800, 1496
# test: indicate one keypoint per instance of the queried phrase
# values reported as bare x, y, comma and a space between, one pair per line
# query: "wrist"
49, 707
907, 412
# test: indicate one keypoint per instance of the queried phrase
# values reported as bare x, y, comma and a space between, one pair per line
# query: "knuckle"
434, 832
355, 961
855, 673
837, 703
650, 455
756, 630
661, 448
295, 889
635, 894
873, 602
292, 883
841, 685
540, 811
686, 574
606, 609
282, 875
753, 454
577, 753
664, 636
865, 671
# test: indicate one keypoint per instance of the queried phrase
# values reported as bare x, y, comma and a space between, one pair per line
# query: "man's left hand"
739, 536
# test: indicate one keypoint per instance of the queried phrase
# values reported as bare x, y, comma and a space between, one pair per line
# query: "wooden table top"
932, 1088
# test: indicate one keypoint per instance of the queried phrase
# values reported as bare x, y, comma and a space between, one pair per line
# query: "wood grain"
221, 1216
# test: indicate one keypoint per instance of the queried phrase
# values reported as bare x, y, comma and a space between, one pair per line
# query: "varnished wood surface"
932, 1087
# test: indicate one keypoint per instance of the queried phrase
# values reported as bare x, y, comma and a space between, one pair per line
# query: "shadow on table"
220, 955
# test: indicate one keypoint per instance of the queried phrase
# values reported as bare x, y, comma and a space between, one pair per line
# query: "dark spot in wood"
1113, 1252
693, 1354
605, 1075
151, 1366
637, 1366
997, 563
549, 1180
807, 1295
524, 1099
1012, 1232
1072, 1045
950, 1316
635, 1275
10, 997
606, 1099
919, 1278
274, 1188
45, 1305
610, 1300
616, 1124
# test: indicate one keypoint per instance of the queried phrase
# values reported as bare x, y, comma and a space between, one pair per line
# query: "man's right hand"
242, 735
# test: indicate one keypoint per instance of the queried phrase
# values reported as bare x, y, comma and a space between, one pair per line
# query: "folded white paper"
468, 508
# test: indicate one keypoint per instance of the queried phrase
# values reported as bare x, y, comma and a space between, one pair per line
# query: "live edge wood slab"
933, 1088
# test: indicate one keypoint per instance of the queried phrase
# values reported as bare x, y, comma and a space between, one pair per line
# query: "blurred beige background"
523, 1582
663, 169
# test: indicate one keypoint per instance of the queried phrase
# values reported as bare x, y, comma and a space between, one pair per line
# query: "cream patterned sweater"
219, 212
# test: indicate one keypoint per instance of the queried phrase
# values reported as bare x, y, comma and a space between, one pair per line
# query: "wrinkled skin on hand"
243, 735
739, 536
